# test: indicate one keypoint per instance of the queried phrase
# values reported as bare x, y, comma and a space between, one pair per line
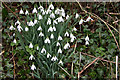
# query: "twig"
14, 63
114, 13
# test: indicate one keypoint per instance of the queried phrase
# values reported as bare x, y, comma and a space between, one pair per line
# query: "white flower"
33, 67
31, 57
30, 23
21, 11
34, 10
55, 22
67, 45
47, 40
52, 15
62, 12
60, 19
54, 58
52, 36
37, 47
67, 16
51, 6
59, 38
39, 17
26, 28
87, 38
66, 34
31, 45
43, 12
54, 28
17, 23
86, 43
48, 55
48, 11
81, 21
50, 29
40, 28
26, 12
58, 44
57, 11
72, 37
43, 50
74, 29
59, 50
77, 15
14, 41
41, 34
40, 7
60, 62
13, 34
19, 28
35, 21
88, 19
49, 21
11, 27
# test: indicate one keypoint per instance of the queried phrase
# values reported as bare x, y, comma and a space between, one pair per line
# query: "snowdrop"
52, 36
14, 41
54, 58
77, 15
59, 50
33, 67
49, 21
48, 11
51, 6
87, 38
40, 28
31, 57
88, 19
58, 44
19, 28
43, 50
66, 34
26, 12
60, 19
50, 29
41, 34
40, 17
57, 11
13, 34
55, 22
37, 47
81, 21
21, 11
11, 27
86, 43
52, 15
62, 12
72, 37
31, 45
74, 29
26, 28
60, 62
60, 38
54, 28
34, 10
35, 21
67, 45
17, 23
67, 16
41, 7
30, 23
48, 55
47, 40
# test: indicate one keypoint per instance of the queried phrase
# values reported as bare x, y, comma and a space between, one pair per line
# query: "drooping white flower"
67, 45
35, 21
41, 7
59, 50
49, 21
52, 15
43, 12
67, 16
62, 12
57, 11
31, 57
31, 45
87, 38
59, 38
88, 19
33, 67
19, 28
54, 58
26, 28
17, 22
60, 19
48, 11
55, 22
72, 37
40, 17
40, 28
13, 34
26, 12
86, 43
21, 11
14, 41
60, 62
30, 23
37, 47
74, 29
66, 34
41, 34
58, 44
47, 40
50, 29
43, 50
54, 28
48, 55
51, 6
52, 36
11, 27
34, 10
81, 21
77, 15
